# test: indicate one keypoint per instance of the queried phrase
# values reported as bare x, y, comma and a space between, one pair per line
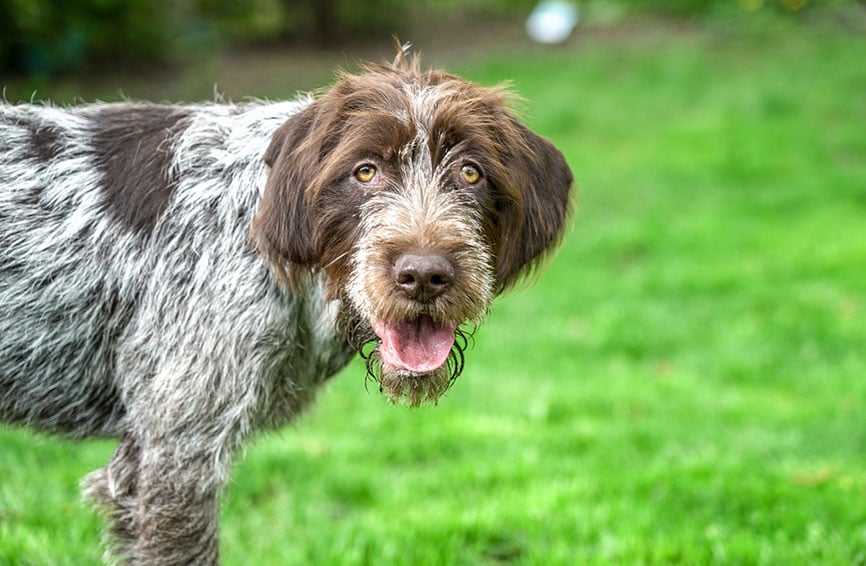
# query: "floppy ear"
534, 222
281, 228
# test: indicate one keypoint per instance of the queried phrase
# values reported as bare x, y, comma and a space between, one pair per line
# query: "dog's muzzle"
422, 344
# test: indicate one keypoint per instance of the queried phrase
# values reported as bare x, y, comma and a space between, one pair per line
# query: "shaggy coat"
178, 277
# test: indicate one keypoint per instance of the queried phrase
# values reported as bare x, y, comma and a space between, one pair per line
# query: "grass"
685, 384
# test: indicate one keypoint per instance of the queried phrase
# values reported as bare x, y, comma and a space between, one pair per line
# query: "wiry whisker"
336, 260
415, 388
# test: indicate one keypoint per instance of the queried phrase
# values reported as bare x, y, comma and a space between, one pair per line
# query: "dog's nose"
423, 277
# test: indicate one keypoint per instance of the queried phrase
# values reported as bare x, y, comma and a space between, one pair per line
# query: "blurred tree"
327, 21
324, 17
47, 37
43, 37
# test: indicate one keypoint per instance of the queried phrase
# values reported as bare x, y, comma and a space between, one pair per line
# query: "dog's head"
420, 197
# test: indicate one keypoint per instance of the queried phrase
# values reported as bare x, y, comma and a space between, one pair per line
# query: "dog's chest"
305, 350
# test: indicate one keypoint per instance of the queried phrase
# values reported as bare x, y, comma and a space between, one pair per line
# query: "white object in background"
552, 21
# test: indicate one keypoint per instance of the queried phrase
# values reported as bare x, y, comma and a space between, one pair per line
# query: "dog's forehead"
417, 97
422, 102
439, 111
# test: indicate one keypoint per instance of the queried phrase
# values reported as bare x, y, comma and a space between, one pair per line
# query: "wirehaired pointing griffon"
179, 277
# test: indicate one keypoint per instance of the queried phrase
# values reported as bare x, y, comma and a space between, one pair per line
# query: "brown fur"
524, 215
134, 307
311, 214
133, 148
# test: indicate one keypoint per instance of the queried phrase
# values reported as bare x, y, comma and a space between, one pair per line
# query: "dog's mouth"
415, 360
419, 346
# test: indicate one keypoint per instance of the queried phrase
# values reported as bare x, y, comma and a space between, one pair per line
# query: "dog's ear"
281, 228
533, 219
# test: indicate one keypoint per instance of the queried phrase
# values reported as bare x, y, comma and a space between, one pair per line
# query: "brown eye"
470, 174
365, 173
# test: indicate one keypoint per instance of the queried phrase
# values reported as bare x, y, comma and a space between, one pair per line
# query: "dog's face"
420, 197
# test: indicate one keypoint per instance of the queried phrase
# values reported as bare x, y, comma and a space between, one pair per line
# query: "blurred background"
685, 383
77, 47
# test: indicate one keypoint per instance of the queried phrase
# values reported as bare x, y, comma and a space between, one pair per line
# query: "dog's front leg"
177, 512
161, 497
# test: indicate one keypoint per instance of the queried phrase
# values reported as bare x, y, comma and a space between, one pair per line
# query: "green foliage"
43, 38
694, 8
683, 385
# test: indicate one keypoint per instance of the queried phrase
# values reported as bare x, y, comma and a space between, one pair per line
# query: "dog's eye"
470, 174
365, 173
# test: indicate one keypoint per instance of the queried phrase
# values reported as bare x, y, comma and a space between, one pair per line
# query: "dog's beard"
401, 385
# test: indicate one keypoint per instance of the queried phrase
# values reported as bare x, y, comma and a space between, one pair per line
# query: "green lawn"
685, 384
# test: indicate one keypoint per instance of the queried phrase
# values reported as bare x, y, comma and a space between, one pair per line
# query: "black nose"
423, 276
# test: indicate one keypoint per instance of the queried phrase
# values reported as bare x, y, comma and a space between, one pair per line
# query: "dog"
179, 277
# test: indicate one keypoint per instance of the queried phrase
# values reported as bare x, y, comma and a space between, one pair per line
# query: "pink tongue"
420, 345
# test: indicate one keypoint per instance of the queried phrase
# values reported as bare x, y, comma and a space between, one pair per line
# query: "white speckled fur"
180, 332
160, 283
